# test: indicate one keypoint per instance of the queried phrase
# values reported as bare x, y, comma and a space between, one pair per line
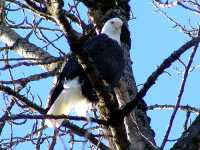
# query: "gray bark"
24, 48
190, 139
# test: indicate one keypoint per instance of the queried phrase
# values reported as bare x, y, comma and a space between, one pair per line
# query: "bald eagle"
73, 90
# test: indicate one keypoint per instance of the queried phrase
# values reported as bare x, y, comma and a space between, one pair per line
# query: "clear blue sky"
153, 39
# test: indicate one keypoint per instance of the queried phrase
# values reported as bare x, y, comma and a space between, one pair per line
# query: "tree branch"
85, 133
23, 99
190, 138
34, 77
8, 109
171, 107
154, 76
179, 95
75, 118
76, 129
26, 49
118, 130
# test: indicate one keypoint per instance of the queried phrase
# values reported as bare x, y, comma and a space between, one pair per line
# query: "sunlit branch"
24, 48
166, 4
25, 63
185, 108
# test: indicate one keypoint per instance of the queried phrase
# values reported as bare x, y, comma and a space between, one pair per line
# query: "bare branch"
54, 139
154, 76
182, 87
24, 48
166, 4
190, 138
106, 100
171, 107
34, 77
84, 133
76, 118
191, 33
25, 63
23, 99
8, 109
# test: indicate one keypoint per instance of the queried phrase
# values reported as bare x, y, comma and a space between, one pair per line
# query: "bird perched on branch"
73, 89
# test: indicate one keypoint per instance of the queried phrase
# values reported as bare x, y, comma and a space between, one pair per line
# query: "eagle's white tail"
70, 98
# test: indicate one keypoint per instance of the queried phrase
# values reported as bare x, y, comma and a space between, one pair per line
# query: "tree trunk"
137, 126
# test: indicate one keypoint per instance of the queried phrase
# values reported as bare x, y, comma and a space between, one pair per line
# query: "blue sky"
154, 38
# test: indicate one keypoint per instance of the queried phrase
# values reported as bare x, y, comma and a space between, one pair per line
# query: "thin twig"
76, 118
179, 96
154, 76
34, 77
22, 98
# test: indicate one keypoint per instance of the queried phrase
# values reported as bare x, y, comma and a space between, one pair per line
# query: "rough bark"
190, 139
26, 49
137, 126
137, 123
135, 133
107, 102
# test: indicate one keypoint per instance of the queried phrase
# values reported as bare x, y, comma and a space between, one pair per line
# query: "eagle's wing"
70, 70
107, 55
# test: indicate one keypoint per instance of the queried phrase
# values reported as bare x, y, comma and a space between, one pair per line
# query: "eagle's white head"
112, 28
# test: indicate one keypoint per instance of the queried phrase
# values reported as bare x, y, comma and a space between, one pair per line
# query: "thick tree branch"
25, 63
105, 97
26, 49
182, 87
154, 76
55, 9
76, 129
190, 138
111, 9
42, 12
